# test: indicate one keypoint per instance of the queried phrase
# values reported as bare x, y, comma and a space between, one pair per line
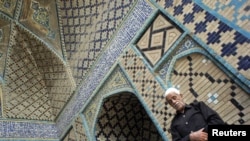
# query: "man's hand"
198, 135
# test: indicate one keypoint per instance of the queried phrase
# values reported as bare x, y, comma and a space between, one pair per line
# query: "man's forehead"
170, 95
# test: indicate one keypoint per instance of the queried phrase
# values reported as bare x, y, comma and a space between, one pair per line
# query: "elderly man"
191, 121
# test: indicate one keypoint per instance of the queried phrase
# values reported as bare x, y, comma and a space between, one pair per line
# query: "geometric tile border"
9, 129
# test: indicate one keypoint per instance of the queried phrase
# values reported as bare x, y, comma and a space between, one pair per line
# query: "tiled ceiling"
46, 49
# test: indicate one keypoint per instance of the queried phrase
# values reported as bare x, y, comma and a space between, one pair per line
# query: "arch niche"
123, 117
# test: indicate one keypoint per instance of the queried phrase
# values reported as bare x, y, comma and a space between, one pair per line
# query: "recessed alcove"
122, 117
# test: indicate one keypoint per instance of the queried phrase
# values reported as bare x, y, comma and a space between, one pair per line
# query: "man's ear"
181, 95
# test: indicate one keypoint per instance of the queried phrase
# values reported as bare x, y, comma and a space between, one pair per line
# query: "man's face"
176, 101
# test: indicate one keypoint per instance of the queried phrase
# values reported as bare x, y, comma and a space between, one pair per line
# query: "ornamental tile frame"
115, 82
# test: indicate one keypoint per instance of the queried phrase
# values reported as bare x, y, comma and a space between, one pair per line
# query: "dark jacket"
197, 115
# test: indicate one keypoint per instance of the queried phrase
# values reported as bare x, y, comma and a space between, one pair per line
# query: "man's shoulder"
197, 103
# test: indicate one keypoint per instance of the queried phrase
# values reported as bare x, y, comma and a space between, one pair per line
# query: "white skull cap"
171, 90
